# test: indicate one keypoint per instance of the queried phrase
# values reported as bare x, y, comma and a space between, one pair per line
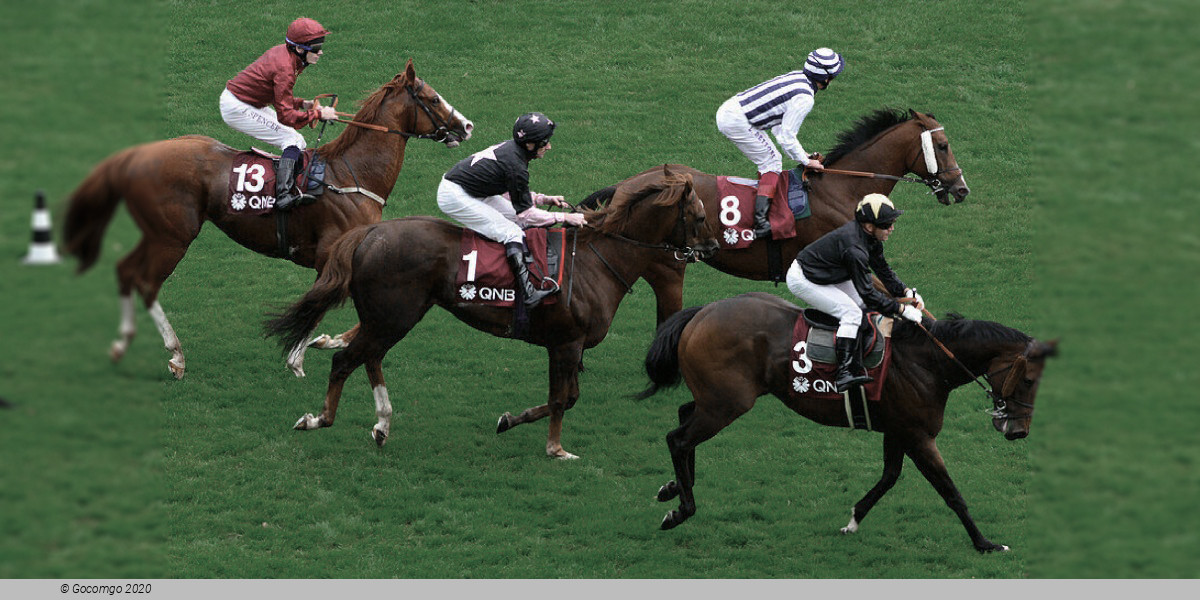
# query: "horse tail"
662, 360
594, 201
331, 289
92, 206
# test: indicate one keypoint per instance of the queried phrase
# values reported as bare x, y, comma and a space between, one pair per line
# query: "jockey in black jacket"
833, 275
488, 192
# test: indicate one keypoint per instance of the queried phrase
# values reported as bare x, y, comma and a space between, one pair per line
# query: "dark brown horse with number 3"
881, 149
398, 269
733, 351
171, 187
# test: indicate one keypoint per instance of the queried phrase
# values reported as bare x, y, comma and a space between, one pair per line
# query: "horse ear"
408, 71
914, 114
1018, 373
1045, 349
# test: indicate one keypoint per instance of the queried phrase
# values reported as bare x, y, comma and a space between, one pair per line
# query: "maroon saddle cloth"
485, 277
814, 363
252, 181
736, 214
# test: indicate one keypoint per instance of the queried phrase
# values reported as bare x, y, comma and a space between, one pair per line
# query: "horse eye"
435, 100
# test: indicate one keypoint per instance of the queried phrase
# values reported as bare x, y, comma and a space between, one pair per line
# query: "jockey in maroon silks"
259, 102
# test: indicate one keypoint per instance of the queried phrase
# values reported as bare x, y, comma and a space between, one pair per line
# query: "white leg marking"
127, 329
295, 359
383, 410
170, 340
853, 525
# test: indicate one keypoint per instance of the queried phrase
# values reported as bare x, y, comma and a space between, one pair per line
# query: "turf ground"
122, 471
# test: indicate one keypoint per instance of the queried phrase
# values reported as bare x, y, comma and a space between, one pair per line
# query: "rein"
682, 254
439, 135
932, 182
999, 403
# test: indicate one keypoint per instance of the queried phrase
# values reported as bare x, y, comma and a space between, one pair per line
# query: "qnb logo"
469, 292
824, 387
242, 202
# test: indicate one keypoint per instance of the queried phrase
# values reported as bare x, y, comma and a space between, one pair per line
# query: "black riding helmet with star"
534, 128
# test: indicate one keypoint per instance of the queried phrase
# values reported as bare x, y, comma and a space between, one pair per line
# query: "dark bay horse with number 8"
171, 187
398, 269
888, 143
732, 351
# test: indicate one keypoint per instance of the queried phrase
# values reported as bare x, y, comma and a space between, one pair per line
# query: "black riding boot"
762, 226
844, 377
856, 355
286, 195
517, 259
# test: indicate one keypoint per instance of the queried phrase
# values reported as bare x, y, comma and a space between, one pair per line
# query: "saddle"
822, 332
485, 277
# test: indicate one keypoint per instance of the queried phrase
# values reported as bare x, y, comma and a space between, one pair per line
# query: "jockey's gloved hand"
575, 219
918, 301
911, 313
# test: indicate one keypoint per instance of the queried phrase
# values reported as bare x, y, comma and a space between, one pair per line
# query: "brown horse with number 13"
171, 187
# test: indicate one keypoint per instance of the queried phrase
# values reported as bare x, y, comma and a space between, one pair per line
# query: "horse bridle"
439, 135
999, 402
683, 253
443, 127
935, 185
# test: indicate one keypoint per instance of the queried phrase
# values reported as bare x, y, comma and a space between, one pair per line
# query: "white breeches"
492, 217
259, 123
840, 299
754, 143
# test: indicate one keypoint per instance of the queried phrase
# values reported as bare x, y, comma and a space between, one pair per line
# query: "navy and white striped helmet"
823, 64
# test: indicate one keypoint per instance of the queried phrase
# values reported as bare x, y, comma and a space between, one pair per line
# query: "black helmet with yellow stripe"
876, 209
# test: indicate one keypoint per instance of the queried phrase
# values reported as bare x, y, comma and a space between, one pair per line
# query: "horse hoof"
176, 368
116, 352
990, 547
670, 521
380, 436
306, 422
668, 491
564, 455
504, 424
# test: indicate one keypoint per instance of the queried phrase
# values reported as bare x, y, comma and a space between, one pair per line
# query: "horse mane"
368, 112
957, 328
864, 130
612, 217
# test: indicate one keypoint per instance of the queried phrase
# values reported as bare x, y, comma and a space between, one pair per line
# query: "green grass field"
122, 471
